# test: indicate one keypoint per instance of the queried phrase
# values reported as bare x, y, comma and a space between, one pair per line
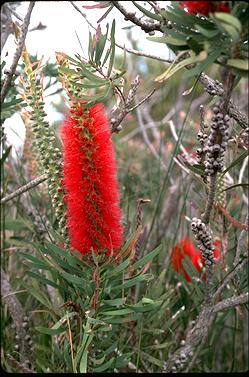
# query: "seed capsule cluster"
179, 362
214, 88
217, 141
25, 338
49, 156
204, 236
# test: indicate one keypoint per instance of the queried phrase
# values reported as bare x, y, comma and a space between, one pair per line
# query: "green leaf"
89, 75
90, 46
153, 360
109, 350
117, 270
168, 40
123, 62
38, 295
49, 331
112, 49
115, 301
104, 366
44, 280
147, 13
194, 45
134, 281
106, 13
235, 162
100, 46
142, 307
122, 320
59, 262
173, 68
147, 257
209, 34
72, 259
35, 261
16, 225
204, 65
229, 19
238, 185
123, 360
117, 312
79, 281
99, 361
238, 63
89, 85
58, 324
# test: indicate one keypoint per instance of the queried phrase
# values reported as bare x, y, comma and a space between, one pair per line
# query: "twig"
235, 222
231, 302
21, 190
229, 277
126, 110
146, 26
123, 47
188, 158
18, 52
147, 141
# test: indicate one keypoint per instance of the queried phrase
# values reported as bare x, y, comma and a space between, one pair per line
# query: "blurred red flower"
185, 248
205, 7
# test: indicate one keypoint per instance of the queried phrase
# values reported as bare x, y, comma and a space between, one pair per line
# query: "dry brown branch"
236, 223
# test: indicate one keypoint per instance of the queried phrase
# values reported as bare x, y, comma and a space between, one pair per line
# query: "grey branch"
15, 309
24, 188
231, 302
199, 332
18, 52
214, 87
116, 122
211, 197
144, 25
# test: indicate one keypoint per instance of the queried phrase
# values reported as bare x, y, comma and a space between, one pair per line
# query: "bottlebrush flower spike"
185, 248
92, 198
205, 7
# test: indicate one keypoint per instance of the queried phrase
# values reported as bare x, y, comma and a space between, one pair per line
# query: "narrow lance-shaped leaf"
112, 49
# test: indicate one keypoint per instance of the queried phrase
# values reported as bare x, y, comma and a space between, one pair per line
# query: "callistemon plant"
92, 198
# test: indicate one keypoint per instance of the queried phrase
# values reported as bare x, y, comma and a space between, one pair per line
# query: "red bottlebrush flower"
193, 7
217, 253
185, 248
205, 7
93, 212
